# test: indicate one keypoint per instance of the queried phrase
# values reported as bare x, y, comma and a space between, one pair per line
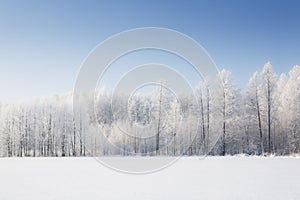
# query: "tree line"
262, 119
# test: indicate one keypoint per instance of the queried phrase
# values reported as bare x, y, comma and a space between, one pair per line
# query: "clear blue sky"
43, 43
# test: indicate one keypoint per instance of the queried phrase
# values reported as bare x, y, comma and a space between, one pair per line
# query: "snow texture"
189, 178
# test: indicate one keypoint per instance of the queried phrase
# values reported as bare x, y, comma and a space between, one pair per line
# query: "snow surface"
189, 178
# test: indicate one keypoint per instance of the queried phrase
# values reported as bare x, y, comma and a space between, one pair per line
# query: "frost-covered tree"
264, 118
280, 141
269, 83
253, 118
292, 97
228, 104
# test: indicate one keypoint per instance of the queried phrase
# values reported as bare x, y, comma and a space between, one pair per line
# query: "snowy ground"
189, 178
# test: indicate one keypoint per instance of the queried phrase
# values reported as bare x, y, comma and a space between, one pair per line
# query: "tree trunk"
224, 124
269, 116
159, 120
202, 119
259, 125
208, 112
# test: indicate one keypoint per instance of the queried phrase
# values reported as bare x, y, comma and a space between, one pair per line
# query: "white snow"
189, 178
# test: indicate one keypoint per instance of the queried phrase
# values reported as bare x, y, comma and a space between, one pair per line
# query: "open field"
189, 178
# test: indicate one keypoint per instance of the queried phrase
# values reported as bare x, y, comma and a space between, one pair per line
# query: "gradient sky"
43, 43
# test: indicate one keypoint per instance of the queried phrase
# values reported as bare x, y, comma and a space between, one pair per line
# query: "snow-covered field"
189, 178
